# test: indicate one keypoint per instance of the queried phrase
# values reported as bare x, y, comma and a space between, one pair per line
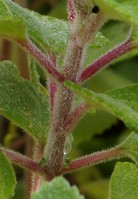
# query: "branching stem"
94, 158
23, 161
41, 58
37, 179
75, 116
63, 100
71, 12
105, 60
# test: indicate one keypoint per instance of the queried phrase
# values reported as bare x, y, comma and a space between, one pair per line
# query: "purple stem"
23, 161
94, 158
75, 116
71, 12
42, 59
106, 59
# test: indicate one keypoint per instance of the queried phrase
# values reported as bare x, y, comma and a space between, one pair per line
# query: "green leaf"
107, 80
23, 102
11, 27
130, 146
100, 41
113, 38
19, 191
102, 82
48, 32
124, 182
4, 11
91, 123
121, 102
57, 188
7, 178
97, 189
134, 38
124, 10
134, 35
59, 11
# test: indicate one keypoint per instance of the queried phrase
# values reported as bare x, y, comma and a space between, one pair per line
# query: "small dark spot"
95, 9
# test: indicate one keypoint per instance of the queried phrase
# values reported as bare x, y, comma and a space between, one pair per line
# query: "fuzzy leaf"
23, 102
121, 102
134, 35
50, 33
102, 82
46, 31
7, 178
113, 38
124, 181
123, 10
4, 11
100, 41
57, 188
130, 146
11, 27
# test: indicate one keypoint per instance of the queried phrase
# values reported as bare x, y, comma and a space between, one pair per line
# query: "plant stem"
52, 91
71, 12
63, 101
61, 109
94, 158
27, 175
75, 116
5, 51
54, 154
105, 60
41, 58
37, 179
80, 7
23, 161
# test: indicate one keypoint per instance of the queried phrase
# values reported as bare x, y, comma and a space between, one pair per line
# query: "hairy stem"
105, 60
37, 179
79, 7
75, 116
94, 158
54, 155
61, 109
63, 101
71, 12
41, 58
5, 52
52, 91
23, 161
